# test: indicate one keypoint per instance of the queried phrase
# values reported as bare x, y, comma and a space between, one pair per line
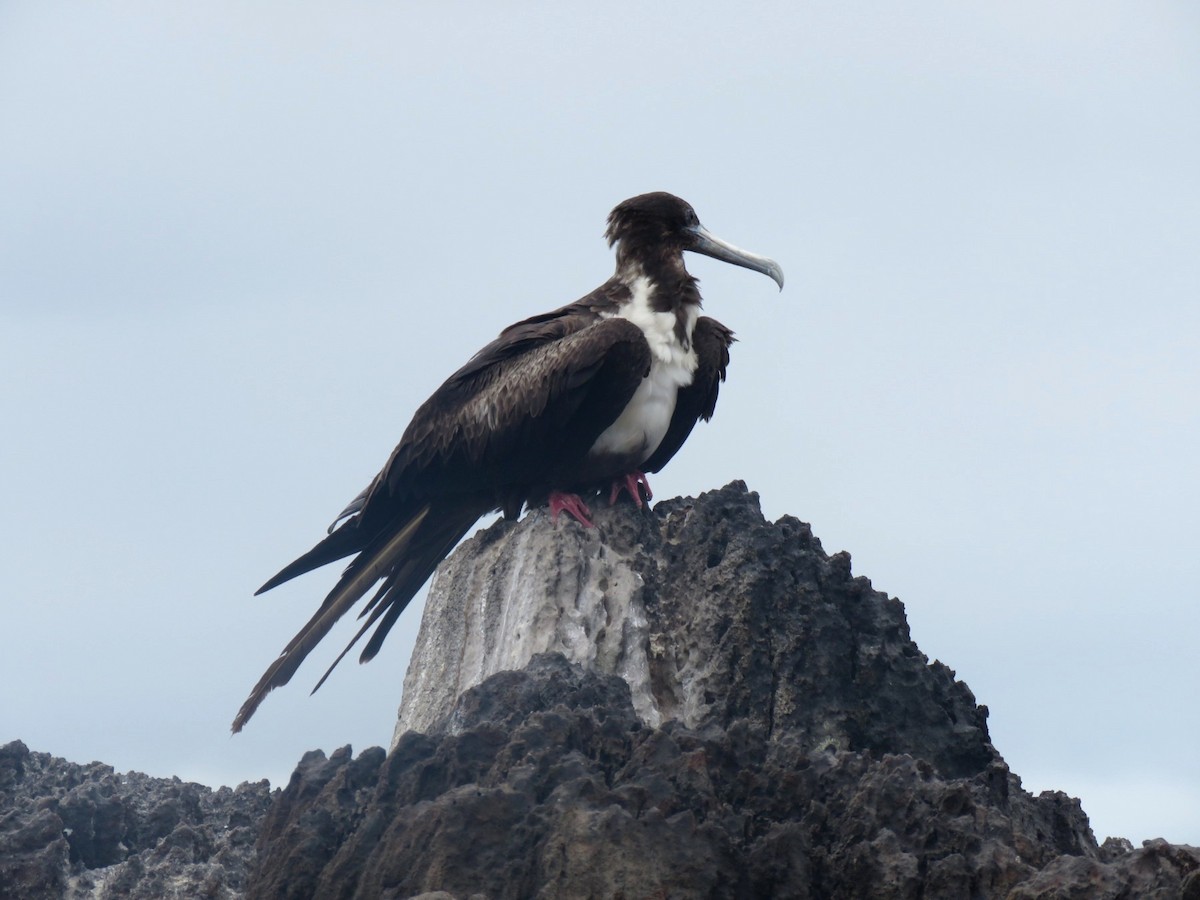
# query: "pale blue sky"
239, 244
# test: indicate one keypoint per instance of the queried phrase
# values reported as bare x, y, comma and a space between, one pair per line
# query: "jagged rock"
72, 831
684, 703
551, 787
1157, 871
724, 712
711, 614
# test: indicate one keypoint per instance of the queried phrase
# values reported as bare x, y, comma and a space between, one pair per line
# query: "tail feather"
372, 564
345, 541
429, 548
442, 542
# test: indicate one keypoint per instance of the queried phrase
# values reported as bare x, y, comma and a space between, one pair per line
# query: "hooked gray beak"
703, 241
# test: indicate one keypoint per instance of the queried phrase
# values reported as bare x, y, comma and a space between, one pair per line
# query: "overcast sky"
240, 243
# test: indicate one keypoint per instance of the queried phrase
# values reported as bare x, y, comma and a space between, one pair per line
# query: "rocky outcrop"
550, 786
691, 702
75, 831
712, 615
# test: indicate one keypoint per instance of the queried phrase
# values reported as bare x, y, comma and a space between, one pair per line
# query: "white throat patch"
644, 422
659, 327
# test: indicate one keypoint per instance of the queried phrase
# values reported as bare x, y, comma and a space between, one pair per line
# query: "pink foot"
571, 504
633, 483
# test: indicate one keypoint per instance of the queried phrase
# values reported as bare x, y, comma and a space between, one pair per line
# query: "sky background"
240, 244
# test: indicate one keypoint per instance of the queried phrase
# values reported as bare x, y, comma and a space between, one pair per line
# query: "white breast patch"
644, 422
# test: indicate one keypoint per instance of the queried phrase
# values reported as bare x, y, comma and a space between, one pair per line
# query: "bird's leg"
634, 482
571, 504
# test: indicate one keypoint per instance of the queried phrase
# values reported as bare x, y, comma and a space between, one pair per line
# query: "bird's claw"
634, 484
572, 505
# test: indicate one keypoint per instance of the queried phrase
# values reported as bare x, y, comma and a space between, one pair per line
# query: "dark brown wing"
518, 406
488, 434
498, 427
699, 399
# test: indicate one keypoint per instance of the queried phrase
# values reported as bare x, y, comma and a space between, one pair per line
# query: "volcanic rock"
688, 702
74, 831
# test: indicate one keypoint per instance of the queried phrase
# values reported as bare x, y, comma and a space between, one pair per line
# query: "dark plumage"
593, 394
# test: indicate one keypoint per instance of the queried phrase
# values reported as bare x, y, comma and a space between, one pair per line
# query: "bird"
560, 406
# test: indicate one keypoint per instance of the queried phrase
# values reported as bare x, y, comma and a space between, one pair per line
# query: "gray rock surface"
685, 703
689, 702
77, 831
711, 614
549, 786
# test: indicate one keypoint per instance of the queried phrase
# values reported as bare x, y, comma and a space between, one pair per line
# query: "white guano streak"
644, 422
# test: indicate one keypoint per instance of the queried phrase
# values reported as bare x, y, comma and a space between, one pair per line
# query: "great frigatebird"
562, 405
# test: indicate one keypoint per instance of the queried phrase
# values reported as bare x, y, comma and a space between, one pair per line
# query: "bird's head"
653, 227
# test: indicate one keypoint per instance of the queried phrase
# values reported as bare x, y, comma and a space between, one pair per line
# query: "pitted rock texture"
72, 831
688, 702
550, 786
724, 712
711, 614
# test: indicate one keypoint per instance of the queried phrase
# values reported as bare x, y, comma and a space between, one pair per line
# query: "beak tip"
707, 244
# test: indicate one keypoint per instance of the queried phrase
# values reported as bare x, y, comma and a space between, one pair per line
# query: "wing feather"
368, 568
520, 416
525, 409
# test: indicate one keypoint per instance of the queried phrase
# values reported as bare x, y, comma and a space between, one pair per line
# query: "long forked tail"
405, 557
